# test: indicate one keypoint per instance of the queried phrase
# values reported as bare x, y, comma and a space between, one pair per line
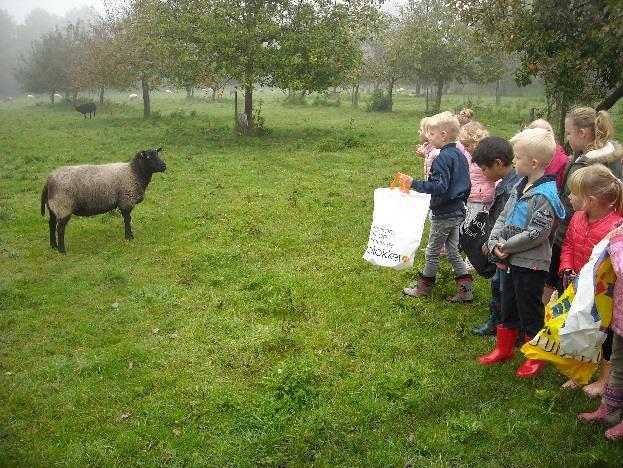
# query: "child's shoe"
422, 288
530, 368
601, 414
615, 432
489, 328
464, 289
504, 346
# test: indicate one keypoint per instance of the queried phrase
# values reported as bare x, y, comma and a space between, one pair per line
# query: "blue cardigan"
448, 183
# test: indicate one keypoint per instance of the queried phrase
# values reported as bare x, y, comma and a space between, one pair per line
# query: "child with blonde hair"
597, 197
482, 192
426, 149
465, 116
520, 243
590, 137
560, 159
449, 186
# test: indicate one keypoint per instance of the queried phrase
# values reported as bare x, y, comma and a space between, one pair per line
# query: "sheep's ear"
159, 149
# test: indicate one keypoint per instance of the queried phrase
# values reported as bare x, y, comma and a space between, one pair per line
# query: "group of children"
547, 211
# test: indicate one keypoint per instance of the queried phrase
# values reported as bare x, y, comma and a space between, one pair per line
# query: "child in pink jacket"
612, 397
482, 193
426, 149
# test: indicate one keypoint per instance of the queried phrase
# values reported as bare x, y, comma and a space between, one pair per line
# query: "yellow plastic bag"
546, 344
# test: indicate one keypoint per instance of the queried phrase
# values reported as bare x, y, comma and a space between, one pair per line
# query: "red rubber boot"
504, 346
530, 367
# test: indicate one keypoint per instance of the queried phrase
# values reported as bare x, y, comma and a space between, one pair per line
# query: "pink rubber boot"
615, 432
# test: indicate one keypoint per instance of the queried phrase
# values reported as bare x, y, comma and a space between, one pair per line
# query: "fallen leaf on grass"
124, 416
115, 305
411, 438
155, 330
177, 432
409, 464
130, 365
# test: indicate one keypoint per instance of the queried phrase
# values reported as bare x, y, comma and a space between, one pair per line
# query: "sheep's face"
152, 159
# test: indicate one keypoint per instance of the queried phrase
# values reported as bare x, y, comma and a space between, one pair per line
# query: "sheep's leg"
126, 222
61, 233
52, 223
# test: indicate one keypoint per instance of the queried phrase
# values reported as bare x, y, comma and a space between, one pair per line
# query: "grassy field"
241, 327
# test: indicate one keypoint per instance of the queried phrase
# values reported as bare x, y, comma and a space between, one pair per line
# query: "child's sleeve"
438, 179
615, 250
538, 229
495, 237
566, 255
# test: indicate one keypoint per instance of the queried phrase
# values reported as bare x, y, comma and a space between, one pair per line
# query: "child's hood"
611, 151
546, 186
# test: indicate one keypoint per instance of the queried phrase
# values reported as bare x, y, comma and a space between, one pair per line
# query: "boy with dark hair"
494, 155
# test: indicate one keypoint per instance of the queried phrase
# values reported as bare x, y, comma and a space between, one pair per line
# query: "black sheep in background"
86, 108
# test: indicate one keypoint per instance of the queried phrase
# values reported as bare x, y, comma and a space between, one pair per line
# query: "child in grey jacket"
520, 239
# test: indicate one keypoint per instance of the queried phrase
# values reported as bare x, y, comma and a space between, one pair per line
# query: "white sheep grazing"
30, 96
132, 97
167, 91
57, 95
88, 190
400, 90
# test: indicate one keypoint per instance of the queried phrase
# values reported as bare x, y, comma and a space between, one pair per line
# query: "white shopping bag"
580, 335
397, 226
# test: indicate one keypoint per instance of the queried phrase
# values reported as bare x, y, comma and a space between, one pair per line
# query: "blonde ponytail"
599, 123
603, 129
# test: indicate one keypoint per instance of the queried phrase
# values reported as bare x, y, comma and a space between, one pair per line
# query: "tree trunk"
146, 103
561, 121
418, 89
52, 97
245, 123
390, 94
440, 83
611, 100
213, 94
75, 95
427, 100
189, 90
355, 97
101, 96
498, 93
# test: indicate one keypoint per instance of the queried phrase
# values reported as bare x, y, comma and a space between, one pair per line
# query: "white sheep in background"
132, 97
30, 96
57, 95
400, 90
167, 91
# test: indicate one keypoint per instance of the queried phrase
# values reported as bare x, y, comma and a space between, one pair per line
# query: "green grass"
241, 327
